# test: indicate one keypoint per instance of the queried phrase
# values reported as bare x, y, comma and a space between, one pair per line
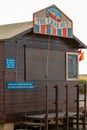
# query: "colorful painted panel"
52, 21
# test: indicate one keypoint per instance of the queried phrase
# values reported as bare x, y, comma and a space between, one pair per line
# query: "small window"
71, 66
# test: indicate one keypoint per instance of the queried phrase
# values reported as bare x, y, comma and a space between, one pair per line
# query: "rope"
47, 61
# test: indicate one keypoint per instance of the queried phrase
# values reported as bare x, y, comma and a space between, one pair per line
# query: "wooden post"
57, 126
46, 107
16, 75
7, 126
67, 108
77, 107
24, 62
84, 120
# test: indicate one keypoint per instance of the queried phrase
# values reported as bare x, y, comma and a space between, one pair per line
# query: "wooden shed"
34, 55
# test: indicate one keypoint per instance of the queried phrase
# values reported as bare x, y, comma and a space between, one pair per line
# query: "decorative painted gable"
52, 21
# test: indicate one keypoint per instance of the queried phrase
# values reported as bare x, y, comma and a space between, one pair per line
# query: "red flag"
81, 57
79, 52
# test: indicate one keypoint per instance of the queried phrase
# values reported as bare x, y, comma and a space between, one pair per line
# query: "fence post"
67, 107
84, 120
77, 107
46, 107
57, 126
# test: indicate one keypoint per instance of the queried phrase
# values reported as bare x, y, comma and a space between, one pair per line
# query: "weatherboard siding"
1, 77
36, 48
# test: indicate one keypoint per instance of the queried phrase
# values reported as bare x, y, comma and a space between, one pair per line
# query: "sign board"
19, 85
10, 63
52, 21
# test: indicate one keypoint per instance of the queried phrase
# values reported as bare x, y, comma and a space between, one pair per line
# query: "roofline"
25, 29
82, 45
23, 33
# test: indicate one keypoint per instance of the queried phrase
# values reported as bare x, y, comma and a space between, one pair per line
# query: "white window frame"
67, 76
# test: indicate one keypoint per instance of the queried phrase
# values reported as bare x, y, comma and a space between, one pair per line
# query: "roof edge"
82, 45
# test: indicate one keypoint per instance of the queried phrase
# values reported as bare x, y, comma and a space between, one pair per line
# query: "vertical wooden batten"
24, 62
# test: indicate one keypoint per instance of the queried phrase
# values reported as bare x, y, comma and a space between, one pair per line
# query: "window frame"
67, 75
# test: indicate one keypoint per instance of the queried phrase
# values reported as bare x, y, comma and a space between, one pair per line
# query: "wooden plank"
33, 124
51, 115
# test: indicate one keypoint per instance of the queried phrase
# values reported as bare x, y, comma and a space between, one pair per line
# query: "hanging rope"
47, 61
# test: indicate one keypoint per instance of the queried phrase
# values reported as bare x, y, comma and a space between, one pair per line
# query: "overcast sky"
15, 11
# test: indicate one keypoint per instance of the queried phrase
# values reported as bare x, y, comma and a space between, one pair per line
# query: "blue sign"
19, 85
10, 63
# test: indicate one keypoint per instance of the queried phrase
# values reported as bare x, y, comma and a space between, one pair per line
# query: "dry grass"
83, 77
82, 81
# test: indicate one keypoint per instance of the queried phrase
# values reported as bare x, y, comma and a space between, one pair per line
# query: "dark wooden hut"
31, 57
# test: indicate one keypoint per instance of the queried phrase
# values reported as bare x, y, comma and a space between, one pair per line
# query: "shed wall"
33, 60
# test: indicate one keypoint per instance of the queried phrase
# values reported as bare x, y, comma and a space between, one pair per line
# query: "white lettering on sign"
49, 21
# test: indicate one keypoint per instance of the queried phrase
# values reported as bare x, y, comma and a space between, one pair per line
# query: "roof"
75, 42
10, 30
80, 44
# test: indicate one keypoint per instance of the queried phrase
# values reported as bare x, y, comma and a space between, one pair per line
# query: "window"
71, 66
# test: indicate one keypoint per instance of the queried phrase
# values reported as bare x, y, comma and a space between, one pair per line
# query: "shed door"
36, 63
